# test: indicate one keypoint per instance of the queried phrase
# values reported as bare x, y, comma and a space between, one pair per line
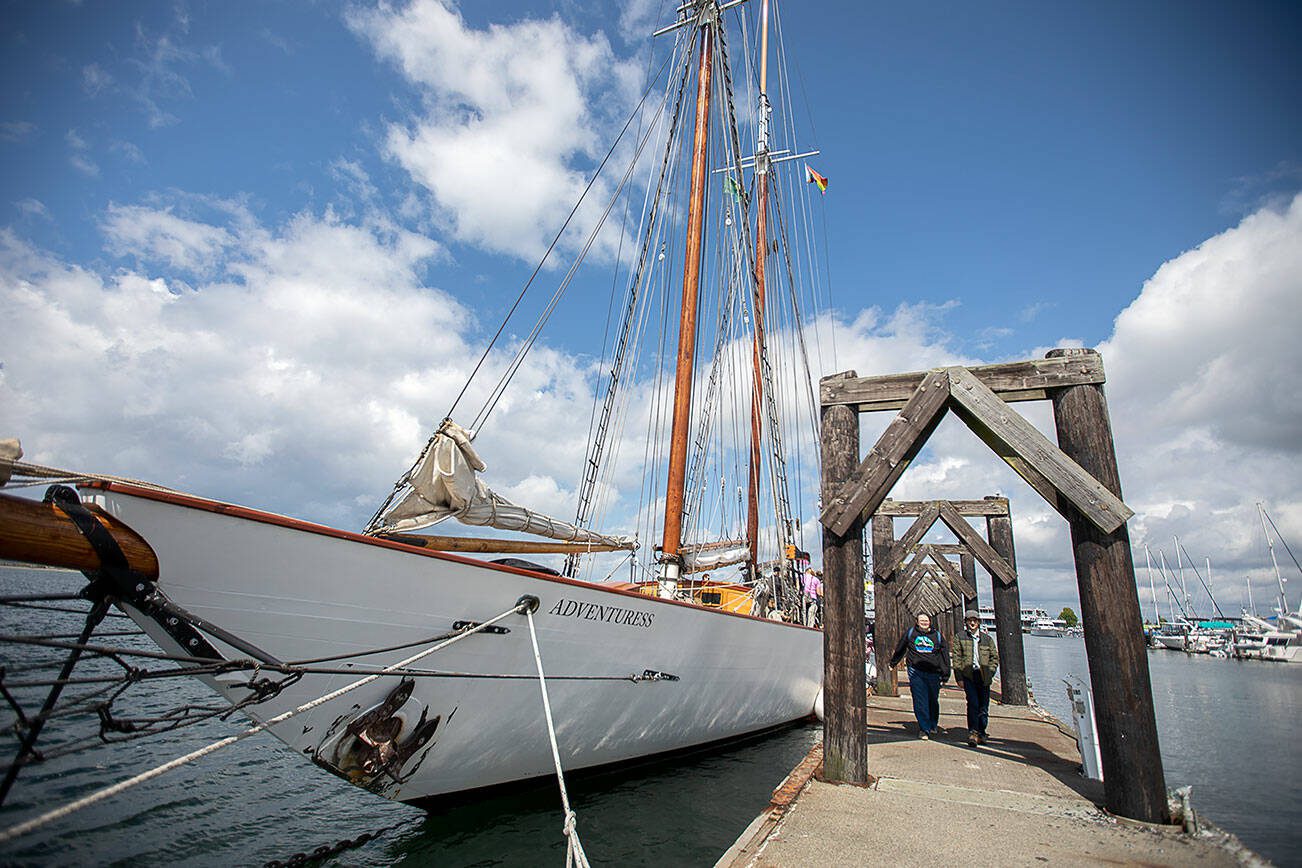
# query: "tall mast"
761, 248
1148, 559
1283, 600
671, 566
1184, 589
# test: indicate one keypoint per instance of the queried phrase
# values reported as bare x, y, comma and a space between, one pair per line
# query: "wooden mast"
761, 248
673, 528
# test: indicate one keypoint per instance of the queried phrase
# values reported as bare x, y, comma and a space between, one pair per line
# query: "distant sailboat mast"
1283, 599
1148, 559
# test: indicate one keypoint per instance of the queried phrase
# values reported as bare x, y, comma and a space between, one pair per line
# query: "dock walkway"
1019, 800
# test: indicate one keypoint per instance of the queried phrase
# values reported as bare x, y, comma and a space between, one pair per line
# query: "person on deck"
812, 589
928, 665
975, 659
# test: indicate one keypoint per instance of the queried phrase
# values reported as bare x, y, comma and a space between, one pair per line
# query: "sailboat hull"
299, 591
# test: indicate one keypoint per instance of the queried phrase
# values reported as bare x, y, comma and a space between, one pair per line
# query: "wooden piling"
888, 615
1133, 779
845, 698
1008, 617
967, 564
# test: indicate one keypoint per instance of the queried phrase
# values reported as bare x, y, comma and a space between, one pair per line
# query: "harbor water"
1227, 728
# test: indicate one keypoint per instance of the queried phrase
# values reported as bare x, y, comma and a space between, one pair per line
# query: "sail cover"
445, 484
698, 559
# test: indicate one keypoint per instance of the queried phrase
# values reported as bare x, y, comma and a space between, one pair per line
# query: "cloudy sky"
254, 255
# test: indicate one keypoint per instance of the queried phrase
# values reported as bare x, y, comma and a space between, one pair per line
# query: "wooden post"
1008, 617
845, 697
888, 628
1133, 781
967, 564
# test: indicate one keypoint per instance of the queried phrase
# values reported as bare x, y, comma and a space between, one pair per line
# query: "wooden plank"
899, 444
886, 603
909, 541
902, 508
1134, 784
973, 400
968, 565
980, 549
845, 702
486, 545
1008, 617
1011, 381
909, 576
952, 572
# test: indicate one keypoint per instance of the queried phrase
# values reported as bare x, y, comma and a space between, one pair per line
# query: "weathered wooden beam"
905, 508
845, 701
980, 549
1012, 381
1134, 784
486, 545
910, 582
886, 614
872, 480
972, 400
1008, 617
911, 538
952, 572
968, 565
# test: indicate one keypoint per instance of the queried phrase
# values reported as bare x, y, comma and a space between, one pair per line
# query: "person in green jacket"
975, 659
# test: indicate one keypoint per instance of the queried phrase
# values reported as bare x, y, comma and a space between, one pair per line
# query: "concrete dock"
1018, 800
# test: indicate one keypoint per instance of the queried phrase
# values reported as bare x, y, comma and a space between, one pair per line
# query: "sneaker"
972, 738
923, 736
982, 738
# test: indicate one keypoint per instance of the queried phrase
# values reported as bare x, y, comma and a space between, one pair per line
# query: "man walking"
928, 667
975, 660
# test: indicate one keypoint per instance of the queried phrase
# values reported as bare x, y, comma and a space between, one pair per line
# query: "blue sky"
1033, 163
1005, 177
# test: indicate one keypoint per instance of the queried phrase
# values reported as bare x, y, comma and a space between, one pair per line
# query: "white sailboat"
629, 673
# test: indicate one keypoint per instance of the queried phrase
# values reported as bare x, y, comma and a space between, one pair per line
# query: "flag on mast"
731, 187
813, 177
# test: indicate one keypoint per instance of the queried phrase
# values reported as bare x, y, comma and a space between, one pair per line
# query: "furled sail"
445, 484
713, 556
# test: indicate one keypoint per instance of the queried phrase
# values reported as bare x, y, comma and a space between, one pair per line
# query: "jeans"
978, 701
925, 687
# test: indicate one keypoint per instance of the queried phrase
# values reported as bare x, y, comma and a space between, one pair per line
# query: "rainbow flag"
813, 177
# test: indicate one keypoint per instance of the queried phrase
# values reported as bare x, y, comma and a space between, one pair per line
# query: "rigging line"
402, 480
597, 444
557, 238
1279, 536
1215, 605
515, 364
619, 253
23, 828
63, 609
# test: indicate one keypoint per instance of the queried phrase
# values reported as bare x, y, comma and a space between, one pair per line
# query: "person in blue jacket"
928, 664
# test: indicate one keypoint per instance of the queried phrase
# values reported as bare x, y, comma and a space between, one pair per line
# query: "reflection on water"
254, 801
1228, 727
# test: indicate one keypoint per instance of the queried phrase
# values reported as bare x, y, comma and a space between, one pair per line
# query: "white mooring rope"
58, 813
574, 855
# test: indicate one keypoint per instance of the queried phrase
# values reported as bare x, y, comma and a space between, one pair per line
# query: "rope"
39, 474
58, 813
574, 855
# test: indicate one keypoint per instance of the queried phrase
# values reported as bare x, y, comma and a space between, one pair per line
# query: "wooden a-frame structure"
896, 610
1078, 476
